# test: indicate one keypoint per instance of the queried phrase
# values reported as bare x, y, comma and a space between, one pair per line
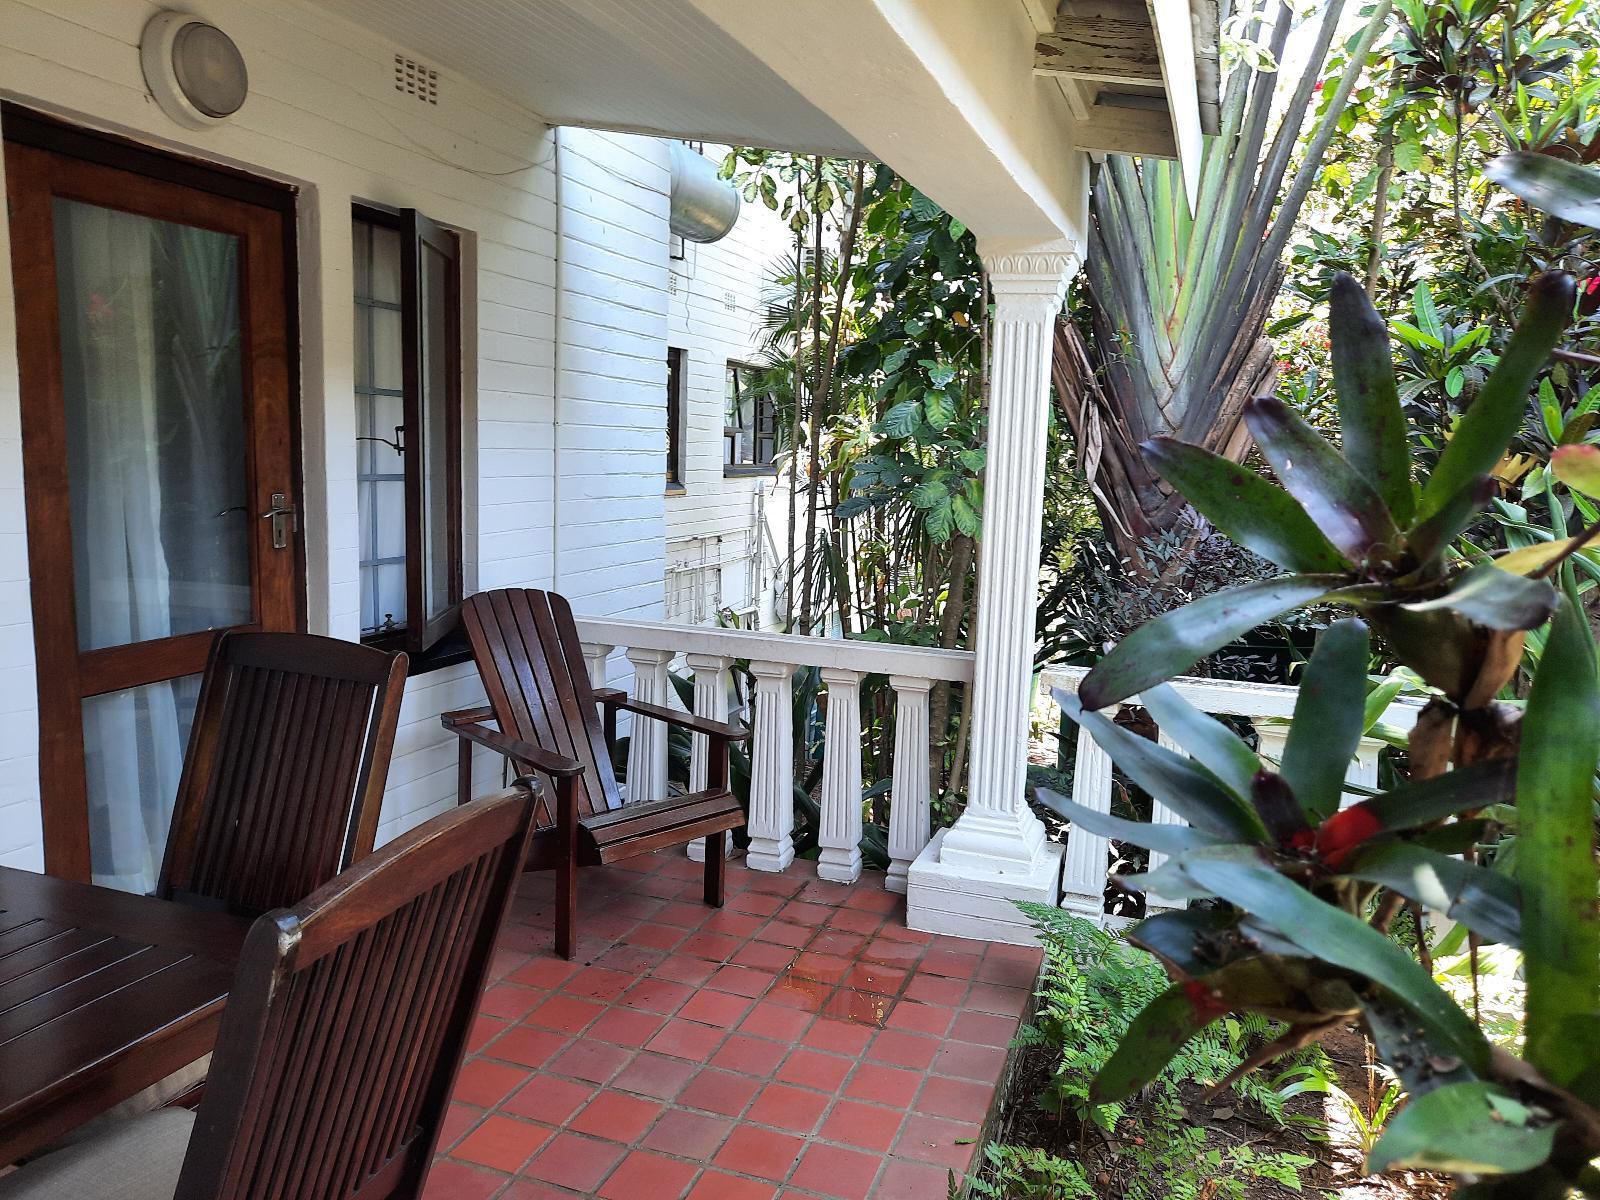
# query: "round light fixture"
193, 69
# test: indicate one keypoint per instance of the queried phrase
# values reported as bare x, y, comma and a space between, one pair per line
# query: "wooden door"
158, 433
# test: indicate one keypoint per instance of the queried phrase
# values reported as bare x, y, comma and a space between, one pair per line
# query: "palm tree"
1178, 300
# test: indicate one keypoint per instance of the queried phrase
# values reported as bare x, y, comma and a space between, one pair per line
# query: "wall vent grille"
412, 78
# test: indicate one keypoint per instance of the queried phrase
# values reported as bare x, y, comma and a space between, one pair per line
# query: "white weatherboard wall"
739, 521
323, 114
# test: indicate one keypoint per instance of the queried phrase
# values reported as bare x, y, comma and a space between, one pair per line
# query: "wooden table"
102, 994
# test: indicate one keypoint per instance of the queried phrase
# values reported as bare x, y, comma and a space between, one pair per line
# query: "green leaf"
901, 420
965, 518
1204, 738
1495, 598
1496, 414
1187, 789
1482, 900
940, 520
1551, 185
939, 408
1472, 1127
1371, 422
1578, 467
1186, 937
1162, 838
1462, 790
1327, 718
1175, 641
1258, 515
1426, 312
1415, 337
1555, 862
1154, 1036
928, 493
1326, 932
1378, 701
896, 359
1455, 379
973, 458
1429, 539
1343, 504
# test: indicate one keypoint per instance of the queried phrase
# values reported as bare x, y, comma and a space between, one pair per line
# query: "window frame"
765, 404
676, 365
422, 631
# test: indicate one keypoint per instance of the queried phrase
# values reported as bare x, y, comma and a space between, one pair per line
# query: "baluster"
1363, 770
1083, 880
1160, 814
1273, 736
594, 658
772, 769
840, 836
710, 701
647, 743
909, 800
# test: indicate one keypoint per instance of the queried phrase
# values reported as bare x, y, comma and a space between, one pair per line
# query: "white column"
839, 840
1160, 814
647, 741
594, 658
1083, 879
910, 795
711, 702
966, 880
1363, 770
772, 769
1271, 736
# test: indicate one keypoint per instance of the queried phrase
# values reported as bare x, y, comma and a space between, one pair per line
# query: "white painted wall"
324, 115
714, 314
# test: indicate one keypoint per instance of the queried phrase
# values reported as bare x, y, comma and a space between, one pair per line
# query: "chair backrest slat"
350, 1014
526, 646
285, 771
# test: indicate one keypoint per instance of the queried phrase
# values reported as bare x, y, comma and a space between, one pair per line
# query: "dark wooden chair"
345, 1027
285, 769
548, 717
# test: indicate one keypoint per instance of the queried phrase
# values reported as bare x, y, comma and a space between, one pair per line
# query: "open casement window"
408, 410
674, 419
749, 433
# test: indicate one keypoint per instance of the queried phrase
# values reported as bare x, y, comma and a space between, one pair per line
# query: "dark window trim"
675, 395
423, 636
758, 465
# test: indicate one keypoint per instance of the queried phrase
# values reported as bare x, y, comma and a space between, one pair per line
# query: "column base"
895, 880
768, 854
950, 898
697, 848
839, 866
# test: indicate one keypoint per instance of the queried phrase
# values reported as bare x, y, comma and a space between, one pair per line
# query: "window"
674, 419
749, 433
408, 437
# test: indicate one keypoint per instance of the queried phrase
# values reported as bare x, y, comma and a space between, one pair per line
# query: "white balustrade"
910, 824
1268, 707
771, 817
647, 741
711, 685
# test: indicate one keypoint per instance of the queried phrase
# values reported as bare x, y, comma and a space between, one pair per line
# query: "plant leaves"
1372, 427
1483, 900
1525, 560
1162, 838
1550, 184
1429, 539
1341, 502
1474, 1127
1258, 515
1188, 790
1188, 938
1578, 466
1487, 427
1327, 718
1175, 641
901, 420
1153, 1037
1494, 598
1204, 738
1326, 932
1555, 862
1463, 790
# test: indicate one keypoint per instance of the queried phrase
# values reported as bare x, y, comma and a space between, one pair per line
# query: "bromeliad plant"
1307, 890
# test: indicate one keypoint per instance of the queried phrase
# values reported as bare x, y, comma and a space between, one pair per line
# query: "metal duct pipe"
704, 206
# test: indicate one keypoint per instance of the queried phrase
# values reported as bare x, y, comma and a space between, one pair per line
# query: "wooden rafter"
1102, 41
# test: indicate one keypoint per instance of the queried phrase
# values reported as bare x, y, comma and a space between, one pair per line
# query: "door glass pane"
133, 743
154, 399
436, 332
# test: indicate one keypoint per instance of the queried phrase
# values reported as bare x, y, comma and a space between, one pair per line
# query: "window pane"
154, 399
380, 470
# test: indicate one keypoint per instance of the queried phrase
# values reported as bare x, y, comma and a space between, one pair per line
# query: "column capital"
1032, 274
844, 675
641, 656
910, 684
765, 669
708, 662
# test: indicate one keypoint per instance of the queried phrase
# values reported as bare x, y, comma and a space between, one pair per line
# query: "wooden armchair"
344, 1030
285, 769
548, 717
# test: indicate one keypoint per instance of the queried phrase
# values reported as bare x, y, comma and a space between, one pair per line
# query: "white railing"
709, 653
1267, 706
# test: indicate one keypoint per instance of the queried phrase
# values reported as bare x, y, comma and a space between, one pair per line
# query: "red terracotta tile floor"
801, 1042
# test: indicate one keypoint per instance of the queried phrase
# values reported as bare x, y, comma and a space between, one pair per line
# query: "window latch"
285, 520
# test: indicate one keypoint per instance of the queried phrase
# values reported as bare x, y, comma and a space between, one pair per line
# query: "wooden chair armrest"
612, 698
554, 765
469, 716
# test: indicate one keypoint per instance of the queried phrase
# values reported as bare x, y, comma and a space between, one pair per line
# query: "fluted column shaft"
711, 701
647, 740
771, 822
839, 839
910, 798
1083, 877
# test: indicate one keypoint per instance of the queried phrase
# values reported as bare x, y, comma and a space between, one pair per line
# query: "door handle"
285, 520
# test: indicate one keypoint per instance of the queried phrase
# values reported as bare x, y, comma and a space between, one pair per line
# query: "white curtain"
110, 293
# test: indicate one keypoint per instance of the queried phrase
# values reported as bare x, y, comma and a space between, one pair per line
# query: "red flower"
1344, 832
